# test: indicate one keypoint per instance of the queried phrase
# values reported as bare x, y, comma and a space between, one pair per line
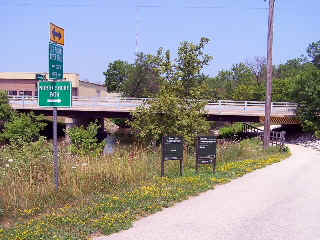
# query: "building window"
12, 92
74, 91
27, 93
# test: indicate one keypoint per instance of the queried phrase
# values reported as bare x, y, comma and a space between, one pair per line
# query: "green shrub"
84, 140
120, 122
5, 108
23, 127
231, 131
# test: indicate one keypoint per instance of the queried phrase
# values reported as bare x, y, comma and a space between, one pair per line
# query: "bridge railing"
220, 105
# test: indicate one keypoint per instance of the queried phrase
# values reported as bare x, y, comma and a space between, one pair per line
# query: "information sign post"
206, 147
172, 149
55, 94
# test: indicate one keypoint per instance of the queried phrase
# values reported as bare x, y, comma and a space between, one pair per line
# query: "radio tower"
137, 30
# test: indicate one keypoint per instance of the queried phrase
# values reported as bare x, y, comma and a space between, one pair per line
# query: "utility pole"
266, 139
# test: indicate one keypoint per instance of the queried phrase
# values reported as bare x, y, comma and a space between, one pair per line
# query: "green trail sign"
55, 94
41, 77
55, 62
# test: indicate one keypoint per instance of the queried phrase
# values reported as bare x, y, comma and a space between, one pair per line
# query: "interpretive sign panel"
172, 149
55, 94
206, 151
55, 61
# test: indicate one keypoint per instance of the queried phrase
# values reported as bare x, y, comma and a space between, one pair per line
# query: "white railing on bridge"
132, 103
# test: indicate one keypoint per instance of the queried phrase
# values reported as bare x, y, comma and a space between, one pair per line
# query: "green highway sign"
55, 94
55, 61
41, 77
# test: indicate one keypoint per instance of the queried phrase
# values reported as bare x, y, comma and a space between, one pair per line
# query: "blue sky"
98, 32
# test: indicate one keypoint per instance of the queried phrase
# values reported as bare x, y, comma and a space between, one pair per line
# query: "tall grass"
27, 180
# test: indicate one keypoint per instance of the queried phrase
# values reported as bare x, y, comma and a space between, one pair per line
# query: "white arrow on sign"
54, 100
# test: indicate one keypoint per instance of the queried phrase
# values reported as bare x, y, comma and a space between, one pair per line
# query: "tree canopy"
116, 74
178, 108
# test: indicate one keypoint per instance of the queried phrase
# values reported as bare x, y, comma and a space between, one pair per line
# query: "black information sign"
172, 149
206, 151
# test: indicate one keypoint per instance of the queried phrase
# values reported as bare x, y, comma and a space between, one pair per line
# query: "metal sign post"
206, 151
172, 149
50, 94
55, 148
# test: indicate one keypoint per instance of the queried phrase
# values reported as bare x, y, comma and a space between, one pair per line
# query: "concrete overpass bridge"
84, 108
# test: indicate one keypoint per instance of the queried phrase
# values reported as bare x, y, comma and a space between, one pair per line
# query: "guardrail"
276, 138
220, 105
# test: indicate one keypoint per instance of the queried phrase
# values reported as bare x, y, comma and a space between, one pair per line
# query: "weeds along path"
280, 201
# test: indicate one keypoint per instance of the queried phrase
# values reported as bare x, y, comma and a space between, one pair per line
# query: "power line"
76, 4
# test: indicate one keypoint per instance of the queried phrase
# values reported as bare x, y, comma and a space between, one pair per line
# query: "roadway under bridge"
84, 108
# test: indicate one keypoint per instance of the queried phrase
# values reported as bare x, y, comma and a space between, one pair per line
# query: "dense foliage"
133, 80
84, 140
116, 74
178, 109
297, 81
5, 108
307, 94
23, 127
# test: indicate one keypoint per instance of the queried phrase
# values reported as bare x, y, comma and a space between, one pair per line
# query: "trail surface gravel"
279, 202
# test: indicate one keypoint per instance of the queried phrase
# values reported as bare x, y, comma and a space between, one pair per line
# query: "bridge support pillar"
70, 123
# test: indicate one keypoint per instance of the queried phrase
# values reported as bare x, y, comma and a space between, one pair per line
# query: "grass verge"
107, 195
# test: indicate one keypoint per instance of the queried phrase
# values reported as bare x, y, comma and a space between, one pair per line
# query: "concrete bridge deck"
221, 110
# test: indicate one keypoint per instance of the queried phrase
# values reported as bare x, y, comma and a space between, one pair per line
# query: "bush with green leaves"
170, 114
24, 127
230, 131
120, 122
5, 108
84, 140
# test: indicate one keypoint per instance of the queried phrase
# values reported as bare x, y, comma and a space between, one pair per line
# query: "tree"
5, 108
143, 80
239, 78
189, 64
116, 74
170, 114
313, 52
178, 109
259, 68
306, 92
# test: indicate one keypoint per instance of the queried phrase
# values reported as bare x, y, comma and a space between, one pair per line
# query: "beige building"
25, 84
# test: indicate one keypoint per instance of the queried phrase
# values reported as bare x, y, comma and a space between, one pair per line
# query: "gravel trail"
280, 202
